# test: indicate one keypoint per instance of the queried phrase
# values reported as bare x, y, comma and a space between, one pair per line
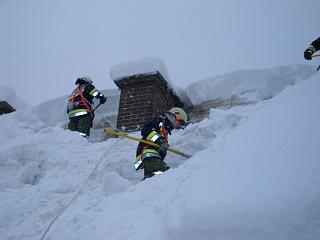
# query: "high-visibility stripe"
137, 164
154, 138
312, 48
93, 91
149, 150
145, 154
149, 153
78, 112
157, 172
151, 135
83, 135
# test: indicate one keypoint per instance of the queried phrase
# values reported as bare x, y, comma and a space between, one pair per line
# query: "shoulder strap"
78, 92
83, 100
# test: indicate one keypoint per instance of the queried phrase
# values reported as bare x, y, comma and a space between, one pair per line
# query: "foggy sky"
45, 45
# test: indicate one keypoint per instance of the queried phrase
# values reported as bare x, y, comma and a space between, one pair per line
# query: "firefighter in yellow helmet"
156, 130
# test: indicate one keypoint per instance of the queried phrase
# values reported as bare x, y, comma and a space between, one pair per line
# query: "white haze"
45, 45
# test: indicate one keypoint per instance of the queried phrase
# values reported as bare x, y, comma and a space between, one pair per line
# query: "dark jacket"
316, 44
155, 130
81, 100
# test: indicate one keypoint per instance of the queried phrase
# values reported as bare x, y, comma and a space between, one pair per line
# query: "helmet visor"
180, 120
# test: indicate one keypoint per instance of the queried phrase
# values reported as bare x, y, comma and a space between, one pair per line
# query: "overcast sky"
45, 45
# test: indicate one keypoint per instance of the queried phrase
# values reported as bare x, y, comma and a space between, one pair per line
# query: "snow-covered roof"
252, 84
150, 65
9, 95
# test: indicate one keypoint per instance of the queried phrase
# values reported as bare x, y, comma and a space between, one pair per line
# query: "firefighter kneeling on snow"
156, 130
80, 102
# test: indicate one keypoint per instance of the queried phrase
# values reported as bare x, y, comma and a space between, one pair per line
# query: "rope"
63, 209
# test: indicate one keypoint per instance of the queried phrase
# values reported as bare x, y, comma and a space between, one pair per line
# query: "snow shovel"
170, 149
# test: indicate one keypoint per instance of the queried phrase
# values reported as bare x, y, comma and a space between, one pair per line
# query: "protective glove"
103, 99
308, 54
162, 150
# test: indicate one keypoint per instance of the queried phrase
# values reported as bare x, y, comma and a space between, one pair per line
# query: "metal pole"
110, 131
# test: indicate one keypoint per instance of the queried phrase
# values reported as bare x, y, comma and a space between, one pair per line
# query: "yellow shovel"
170, 149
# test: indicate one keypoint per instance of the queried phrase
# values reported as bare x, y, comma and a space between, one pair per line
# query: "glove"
103, 99
162, 150
308, 54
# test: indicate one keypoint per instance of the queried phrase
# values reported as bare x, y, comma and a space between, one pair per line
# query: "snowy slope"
266, 187
249, 85
254, 174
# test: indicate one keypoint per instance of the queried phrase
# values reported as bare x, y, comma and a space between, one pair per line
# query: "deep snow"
249, 84
8, 94
254, 174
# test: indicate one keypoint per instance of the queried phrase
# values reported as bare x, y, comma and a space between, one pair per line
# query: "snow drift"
254, 174
249, 85
9, 94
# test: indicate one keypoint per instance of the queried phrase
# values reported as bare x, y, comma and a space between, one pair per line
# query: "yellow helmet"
180, 114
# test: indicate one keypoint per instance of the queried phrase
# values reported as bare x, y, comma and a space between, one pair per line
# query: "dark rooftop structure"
144, 96
5, 108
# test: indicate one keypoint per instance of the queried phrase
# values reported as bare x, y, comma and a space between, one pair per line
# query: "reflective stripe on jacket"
77, 112
146, 153
79, 102
153, 130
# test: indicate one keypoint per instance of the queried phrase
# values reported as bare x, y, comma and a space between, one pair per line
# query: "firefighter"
314, 47
80, 103
156, 130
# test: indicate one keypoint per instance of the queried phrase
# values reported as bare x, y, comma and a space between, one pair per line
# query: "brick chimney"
144, 96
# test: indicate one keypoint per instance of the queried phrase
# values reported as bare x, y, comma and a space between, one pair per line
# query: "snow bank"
254, 174
249, 85
54, 112
266, 187
9, 94
141, 66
